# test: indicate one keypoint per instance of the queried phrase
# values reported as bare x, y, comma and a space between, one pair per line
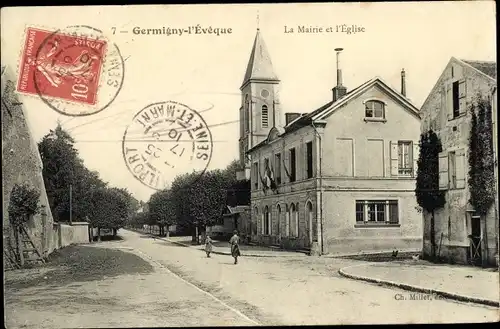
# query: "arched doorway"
293, 221
266, 225
311, 226
278, 223
254, 221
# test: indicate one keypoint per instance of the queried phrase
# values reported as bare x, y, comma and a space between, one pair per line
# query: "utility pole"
70, 204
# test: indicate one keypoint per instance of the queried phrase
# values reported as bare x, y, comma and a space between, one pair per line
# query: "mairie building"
337, 179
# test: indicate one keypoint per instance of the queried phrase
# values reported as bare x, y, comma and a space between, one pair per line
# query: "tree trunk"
99, 234
197, 241
168, 231
433, 236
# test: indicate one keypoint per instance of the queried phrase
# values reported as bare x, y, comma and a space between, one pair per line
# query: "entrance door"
475, 240
310, 224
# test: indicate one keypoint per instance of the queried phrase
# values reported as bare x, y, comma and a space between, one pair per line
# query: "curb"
408, 287
215, 252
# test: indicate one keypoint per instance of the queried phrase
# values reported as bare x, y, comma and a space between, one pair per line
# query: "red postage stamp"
61, 66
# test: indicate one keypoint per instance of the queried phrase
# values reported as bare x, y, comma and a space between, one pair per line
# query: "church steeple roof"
259, 65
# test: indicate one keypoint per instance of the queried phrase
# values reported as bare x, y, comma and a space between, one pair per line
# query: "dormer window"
374, 110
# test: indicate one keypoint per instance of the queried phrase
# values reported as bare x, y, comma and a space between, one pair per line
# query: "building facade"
461, 234
339, 179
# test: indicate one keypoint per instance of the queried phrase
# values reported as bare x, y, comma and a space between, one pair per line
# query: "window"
247, 113
377, 212
265, 116
287, 221
294, 221
266, 225
360, 210
309, 160
277, 168
452, 170
375, 109
405, 158
458, 98
255, 175
278, 226
255, 221
293, 166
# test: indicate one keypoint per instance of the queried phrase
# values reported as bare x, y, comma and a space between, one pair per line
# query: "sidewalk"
462, 283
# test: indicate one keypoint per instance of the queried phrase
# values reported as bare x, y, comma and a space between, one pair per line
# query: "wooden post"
484, 242
70, 204
20, 245
45, 248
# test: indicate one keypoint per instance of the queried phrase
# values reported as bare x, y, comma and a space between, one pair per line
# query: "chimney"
403, 82
339, 90
289, 117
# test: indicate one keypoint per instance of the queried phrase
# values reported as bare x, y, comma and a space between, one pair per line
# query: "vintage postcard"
250, 164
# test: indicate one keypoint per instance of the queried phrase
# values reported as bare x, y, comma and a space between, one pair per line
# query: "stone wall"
21, 164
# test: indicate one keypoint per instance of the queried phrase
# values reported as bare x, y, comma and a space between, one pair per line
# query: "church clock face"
264, 93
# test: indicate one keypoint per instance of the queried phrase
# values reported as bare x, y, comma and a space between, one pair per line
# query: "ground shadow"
381, 257
105, 238
79, 264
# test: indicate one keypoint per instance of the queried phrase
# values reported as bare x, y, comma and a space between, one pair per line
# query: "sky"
205, 72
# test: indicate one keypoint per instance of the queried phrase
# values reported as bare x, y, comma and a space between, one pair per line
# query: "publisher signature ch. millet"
342, 28
417, 296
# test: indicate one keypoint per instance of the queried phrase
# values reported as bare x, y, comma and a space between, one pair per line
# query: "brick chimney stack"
403, 82
339, 90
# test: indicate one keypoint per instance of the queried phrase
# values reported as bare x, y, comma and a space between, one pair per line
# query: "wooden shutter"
416, 151
460, 168
299, 162
449, 100
286, 164
462, 88
394, 158
443, 171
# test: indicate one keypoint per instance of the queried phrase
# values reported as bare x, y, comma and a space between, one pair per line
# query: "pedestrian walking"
208, 245
235, 246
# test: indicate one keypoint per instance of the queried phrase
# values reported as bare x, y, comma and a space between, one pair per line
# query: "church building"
339, 179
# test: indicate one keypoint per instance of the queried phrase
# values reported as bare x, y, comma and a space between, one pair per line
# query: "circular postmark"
164, 140
77, 71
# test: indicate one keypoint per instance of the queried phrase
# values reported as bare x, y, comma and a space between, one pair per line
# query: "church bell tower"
260, 109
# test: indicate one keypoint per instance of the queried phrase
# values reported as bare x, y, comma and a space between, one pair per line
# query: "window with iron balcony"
405, 158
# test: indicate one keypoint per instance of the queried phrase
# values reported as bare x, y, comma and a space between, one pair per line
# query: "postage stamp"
75, 71
166, 139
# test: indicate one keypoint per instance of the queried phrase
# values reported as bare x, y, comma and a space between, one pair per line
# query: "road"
188, 289
302, 290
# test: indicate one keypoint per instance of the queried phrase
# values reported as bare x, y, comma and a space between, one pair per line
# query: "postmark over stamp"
75, 71
166, 139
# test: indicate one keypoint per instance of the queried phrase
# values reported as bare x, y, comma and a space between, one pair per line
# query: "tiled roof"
488, 68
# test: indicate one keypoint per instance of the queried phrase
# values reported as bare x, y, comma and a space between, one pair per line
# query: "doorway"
311, 234
475, 241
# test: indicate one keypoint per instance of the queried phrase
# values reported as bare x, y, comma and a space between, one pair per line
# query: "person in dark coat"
235, 246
